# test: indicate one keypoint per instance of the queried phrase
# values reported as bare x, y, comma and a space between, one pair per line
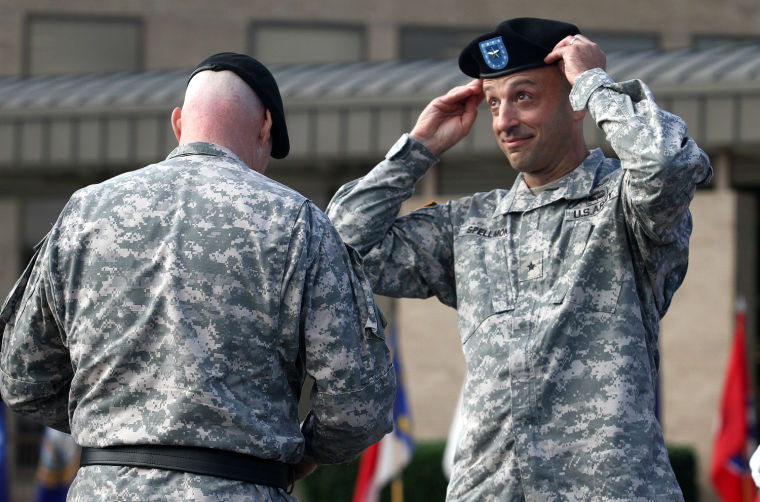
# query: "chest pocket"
590, 275
484, 284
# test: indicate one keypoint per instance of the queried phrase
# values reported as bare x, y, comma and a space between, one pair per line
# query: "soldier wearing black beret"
262, 83
559, 282
169, 319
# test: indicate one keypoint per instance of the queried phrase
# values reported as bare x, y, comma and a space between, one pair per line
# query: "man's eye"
492, 102
522, 96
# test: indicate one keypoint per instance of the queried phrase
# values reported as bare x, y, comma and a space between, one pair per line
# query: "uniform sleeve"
410, 256
35, 367
344, 347
662, 166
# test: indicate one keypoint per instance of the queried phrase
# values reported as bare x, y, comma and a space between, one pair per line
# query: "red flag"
363, 491
729, 470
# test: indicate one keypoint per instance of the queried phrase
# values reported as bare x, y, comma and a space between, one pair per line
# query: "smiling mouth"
512, 142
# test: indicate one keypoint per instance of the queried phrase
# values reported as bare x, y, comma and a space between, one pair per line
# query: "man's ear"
580, 114
266, 129
177, 122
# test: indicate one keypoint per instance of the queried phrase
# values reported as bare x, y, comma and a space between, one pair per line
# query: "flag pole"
397, 485
397, 490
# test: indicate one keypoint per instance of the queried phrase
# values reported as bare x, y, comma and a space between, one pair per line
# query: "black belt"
205, 461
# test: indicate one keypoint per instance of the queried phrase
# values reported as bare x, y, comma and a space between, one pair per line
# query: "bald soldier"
171, 315
559, 282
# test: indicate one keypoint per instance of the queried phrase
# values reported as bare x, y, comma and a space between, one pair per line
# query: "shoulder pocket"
373, 319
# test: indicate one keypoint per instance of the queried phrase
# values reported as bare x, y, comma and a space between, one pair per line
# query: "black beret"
259, 78
515, 45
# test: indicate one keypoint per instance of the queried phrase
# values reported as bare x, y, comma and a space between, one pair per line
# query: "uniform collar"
577, 184
203, 148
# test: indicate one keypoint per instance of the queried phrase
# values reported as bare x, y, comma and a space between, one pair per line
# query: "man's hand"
576, 54
448, 118
304, 468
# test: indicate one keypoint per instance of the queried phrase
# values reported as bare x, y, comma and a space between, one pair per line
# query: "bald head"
221, 108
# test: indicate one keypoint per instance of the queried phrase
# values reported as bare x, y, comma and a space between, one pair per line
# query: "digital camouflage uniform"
559, 298
184, 304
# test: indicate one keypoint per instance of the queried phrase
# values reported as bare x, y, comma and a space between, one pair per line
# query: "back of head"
261, 81
220, 108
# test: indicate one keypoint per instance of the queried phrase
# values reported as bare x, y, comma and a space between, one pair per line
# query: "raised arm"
410, 256
662, 165
448, 118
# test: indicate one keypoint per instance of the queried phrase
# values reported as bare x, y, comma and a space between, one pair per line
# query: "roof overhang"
345, 112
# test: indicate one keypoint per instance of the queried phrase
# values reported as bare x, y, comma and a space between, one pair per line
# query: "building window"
703, 42
55, 44
286, 43
628, 42
422, 42
425, 42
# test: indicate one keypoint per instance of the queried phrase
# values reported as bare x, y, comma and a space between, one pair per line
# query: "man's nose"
506, 118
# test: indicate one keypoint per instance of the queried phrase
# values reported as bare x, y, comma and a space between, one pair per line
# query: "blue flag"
59, 461
4, 488
402, 419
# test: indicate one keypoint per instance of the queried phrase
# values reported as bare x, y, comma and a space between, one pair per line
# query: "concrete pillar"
10, 243
10, 257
